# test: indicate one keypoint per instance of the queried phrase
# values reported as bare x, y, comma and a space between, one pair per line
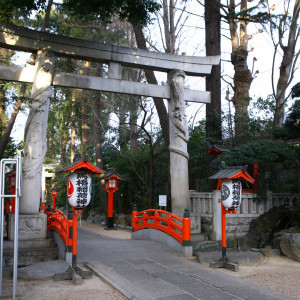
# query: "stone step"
240, 257
29, 256
36, 243
206, 246
198, 237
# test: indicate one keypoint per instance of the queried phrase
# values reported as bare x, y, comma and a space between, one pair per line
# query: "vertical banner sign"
79, 189
231, 193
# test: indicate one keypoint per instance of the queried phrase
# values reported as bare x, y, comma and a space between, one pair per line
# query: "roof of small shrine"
112, 173
233, 172
218, 149
82, 164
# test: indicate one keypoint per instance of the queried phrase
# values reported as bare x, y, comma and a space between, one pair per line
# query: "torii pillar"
178, 130
32, 224
35, 133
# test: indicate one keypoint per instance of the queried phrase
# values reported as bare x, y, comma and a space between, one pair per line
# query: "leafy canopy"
265, 153
135, 11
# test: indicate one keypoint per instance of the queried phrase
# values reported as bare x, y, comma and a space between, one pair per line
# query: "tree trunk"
286, 66
213, 81
84, 122
134, 103
35, 133
169, 25
98, 132
2, 107
11, 122
242, 76
159, 104
73, 128
133, 125
63, 143
47, 15
84, 113
122, 130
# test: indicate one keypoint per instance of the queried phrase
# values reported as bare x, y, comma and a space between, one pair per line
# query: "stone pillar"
178, 126
35, 133
216, 216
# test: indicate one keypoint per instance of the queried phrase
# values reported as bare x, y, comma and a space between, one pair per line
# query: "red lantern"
111, 179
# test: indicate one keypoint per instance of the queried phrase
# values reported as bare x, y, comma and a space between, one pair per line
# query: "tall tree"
213, 81
242, 75
288, 32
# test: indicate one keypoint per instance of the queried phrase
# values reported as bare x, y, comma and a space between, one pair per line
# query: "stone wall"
206, 207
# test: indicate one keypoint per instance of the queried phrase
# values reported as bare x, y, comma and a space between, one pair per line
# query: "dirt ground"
276, 273
279, 274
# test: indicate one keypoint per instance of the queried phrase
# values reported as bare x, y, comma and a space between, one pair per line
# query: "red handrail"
179, 229
58, 222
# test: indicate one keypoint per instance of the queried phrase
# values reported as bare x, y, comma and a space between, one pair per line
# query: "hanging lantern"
79, 189
231, 193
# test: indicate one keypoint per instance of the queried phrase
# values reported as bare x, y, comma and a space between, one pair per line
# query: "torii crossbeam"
43, 76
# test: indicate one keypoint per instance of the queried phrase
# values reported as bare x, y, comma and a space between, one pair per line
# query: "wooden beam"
24, 39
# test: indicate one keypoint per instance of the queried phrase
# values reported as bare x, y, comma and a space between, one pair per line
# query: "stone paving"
143, 269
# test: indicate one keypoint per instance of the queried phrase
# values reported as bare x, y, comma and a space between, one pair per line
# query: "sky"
191, 41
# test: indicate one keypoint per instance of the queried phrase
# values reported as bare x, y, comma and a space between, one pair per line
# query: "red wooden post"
156, 217
74, 244
145, 218
54, 194
43, 207
186, 228
134, 218
110, 213
223, 231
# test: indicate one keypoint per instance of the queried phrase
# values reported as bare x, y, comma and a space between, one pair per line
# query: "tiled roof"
232, 173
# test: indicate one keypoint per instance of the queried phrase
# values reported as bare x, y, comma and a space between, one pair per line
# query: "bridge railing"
57, 221
178, 228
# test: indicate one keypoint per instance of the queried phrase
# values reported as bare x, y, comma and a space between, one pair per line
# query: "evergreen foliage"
291, 127
136, 11
264, 152
197, 157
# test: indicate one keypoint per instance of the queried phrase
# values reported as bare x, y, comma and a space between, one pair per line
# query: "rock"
270, 252
263, 229
124, 220
43, 270
98, 219
95, 218
76, 279
290, 245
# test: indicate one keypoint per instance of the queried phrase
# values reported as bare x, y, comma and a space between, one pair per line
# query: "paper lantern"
231, 193
79, 189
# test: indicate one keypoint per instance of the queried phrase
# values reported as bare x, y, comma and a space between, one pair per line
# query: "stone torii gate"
43, 76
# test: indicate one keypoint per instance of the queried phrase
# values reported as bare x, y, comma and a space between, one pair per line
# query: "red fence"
58, 222
179, 229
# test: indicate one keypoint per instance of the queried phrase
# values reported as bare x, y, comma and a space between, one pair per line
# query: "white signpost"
162, 200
